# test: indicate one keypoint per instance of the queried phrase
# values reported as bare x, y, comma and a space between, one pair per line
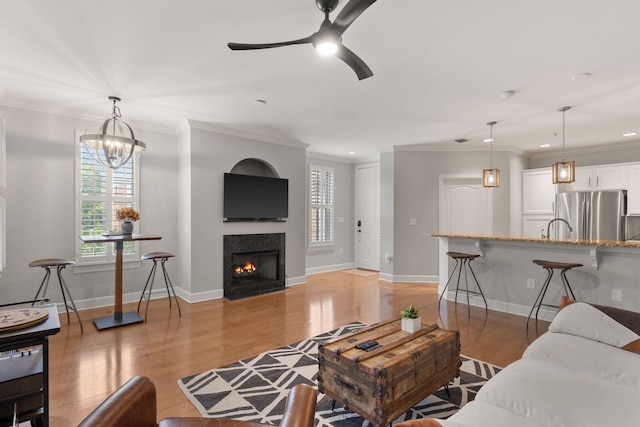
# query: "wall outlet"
531, 283
413, 221
616, 295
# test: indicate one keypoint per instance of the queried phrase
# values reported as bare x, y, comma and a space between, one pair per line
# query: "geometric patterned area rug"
255, 389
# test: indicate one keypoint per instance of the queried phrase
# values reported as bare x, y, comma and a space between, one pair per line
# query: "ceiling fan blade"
352, 60
349, 13
249, 46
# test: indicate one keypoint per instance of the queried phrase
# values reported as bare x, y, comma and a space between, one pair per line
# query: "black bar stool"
550, 266
59, 264
155, 257
463, 262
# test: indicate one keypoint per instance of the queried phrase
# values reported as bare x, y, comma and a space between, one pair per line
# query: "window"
320, 205
3, 207
100, 192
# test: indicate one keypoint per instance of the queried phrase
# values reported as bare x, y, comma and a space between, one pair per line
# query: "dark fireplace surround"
266, 252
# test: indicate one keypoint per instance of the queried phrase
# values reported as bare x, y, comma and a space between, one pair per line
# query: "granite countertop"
583, 242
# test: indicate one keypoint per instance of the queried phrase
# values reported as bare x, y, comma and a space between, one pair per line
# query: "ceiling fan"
328, 39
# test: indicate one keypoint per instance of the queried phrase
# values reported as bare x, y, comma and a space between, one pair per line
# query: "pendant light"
491, 177
563, 172
114, 143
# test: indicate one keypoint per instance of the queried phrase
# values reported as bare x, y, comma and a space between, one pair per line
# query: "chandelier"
114, 143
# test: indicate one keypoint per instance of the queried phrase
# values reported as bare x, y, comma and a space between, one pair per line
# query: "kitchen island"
511, 282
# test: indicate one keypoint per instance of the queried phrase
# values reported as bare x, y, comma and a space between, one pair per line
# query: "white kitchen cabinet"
633, 189
538, 192
533, 225
591, 178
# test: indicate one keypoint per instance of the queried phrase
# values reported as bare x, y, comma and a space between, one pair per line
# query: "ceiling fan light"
327, 47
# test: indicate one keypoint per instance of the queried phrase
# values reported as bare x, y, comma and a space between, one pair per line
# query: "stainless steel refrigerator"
593, 215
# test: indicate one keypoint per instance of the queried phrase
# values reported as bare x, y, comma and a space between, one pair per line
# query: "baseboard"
292, 281
328, 268
505, 307
407, 278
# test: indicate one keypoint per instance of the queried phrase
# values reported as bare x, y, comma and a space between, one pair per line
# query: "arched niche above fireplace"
255, 167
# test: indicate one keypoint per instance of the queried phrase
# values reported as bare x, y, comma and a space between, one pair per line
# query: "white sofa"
577, 374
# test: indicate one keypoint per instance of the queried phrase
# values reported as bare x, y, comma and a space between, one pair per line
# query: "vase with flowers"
128, 217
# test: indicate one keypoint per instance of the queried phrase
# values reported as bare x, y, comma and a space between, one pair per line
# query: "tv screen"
248, 197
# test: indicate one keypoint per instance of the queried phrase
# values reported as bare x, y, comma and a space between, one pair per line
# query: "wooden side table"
119, 318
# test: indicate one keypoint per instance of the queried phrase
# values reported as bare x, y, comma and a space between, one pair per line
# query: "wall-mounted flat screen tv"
255, 198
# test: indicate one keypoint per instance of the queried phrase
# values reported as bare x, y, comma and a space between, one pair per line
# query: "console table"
119, 318
24, 374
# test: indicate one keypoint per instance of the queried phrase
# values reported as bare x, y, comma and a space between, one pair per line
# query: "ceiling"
439, 67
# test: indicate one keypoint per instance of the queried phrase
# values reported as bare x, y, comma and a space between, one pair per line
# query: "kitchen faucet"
548, 236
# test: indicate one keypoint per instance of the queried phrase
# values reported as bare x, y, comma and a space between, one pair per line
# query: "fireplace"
253, 264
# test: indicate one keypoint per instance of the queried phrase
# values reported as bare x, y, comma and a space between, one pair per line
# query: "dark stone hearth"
265, 250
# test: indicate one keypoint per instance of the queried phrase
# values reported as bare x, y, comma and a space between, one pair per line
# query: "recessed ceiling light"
488, 140
630, 134
581, 76
260, 101
545, 145
507, 94
460, 140
352, 152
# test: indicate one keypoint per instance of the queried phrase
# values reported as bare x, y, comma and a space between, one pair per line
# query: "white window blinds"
321, 205
101, 191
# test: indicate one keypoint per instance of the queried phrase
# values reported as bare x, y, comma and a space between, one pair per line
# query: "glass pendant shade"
563, 172
114, 143
491, 178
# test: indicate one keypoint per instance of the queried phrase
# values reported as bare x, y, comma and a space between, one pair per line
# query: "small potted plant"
128, 216
411, 320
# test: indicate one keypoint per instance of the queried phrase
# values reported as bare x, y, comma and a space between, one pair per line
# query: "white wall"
211, 155
416, 187
41, 206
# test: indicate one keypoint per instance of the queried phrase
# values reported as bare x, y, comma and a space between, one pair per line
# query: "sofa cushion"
478, 413
587, 357
551, 395
586, 321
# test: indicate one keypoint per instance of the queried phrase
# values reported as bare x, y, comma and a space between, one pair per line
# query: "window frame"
3, 202
311, 243
132, 249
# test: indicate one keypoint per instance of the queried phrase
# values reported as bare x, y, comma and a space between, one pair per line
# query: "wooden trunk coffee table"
383, 383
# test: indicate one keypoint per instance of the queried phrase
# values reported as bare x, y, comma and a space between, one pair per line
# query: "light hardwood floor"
86, 368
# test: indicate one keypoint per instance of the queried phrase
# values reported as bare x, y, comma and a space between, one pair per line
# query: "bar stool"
463, 262
155, 257
550, 266
59, 264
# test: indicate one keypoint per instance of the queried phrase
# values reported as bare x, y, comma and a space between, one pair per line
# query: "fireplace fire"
248, 269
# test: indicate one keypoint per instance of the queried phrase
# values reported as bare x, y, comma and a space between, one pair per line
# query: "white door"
465, 206
368, 217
